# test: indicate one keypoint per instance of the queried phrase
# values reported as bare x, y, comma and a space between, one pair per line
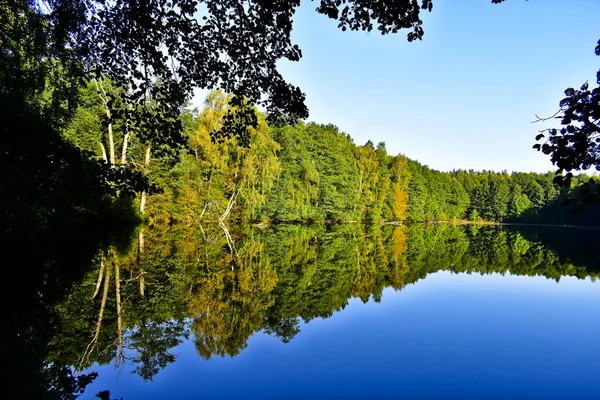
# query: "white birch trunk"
104, 156
92, 345
144, 194
140, 261
111, 140
119, 313
229, 206
100, 274
229, 240
124, 150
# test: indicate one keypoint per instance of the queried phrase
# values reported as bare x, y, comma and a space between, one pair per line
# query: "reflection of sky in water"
448, 336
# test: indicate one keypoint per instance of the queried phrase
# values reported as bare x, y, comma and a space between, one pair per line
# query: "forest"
102, 134
311, 172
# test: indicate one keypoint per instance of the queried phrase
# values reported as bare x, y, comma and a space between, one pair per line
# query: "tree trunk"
119, 314
104, 157
144, 194
203, 210
140, 262
92, 345
111, 140
203, 234
229, 240
143, 201
104, 98
208, 189
100, 274
229, 206
126, 138
124, 151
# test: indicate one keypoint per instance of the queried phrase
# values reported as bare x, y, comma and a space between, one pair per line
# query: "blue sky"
465, 96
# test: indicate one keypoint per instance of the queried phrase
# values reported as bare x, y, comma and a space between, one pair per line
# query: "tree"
338, 172
400, 177
295, 194
42, 176
519, 201
576, 146
161, 50
369, 182
155, 53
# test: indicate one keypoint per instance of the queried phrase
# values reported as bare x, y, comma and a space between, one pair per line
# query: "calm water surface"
447, 336
338, 312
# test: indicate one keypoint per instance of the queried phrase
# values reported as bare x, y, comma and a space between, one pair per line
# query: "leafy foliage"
575, 146
312, 172
154, 54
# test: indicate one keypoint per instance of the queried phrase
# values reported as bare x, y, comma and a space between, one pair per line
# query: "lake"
322, 311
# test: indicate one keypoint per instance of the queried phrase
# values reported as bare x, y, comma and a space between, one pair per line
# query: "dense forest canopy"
314, 172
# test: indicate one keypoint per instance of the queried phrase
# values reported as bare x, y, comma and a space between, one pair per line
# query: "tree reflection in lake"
138, 301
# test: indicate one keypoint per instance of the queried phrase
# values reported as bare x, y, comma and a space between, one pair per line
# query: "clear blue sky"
463, 97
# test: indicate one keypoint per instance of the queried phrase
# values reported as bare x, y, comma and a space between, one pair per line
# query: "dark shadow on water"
576, 245
41, 269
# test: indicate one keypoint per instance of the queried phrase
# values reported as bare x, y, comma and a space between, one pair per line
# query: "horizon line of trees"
314, 172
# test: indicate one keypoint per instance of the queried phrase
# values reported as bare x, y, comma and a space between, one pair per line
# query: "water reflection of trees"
141, 301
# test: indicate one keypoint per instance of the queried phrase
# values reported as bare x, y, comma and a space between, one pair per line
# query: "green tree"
400, 177
519, 202
368, 194
295, 194
576, 146
338, 172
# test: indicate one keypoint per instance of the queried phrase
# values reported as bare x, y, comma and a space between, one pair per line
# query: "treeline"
313, 172
530, 197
